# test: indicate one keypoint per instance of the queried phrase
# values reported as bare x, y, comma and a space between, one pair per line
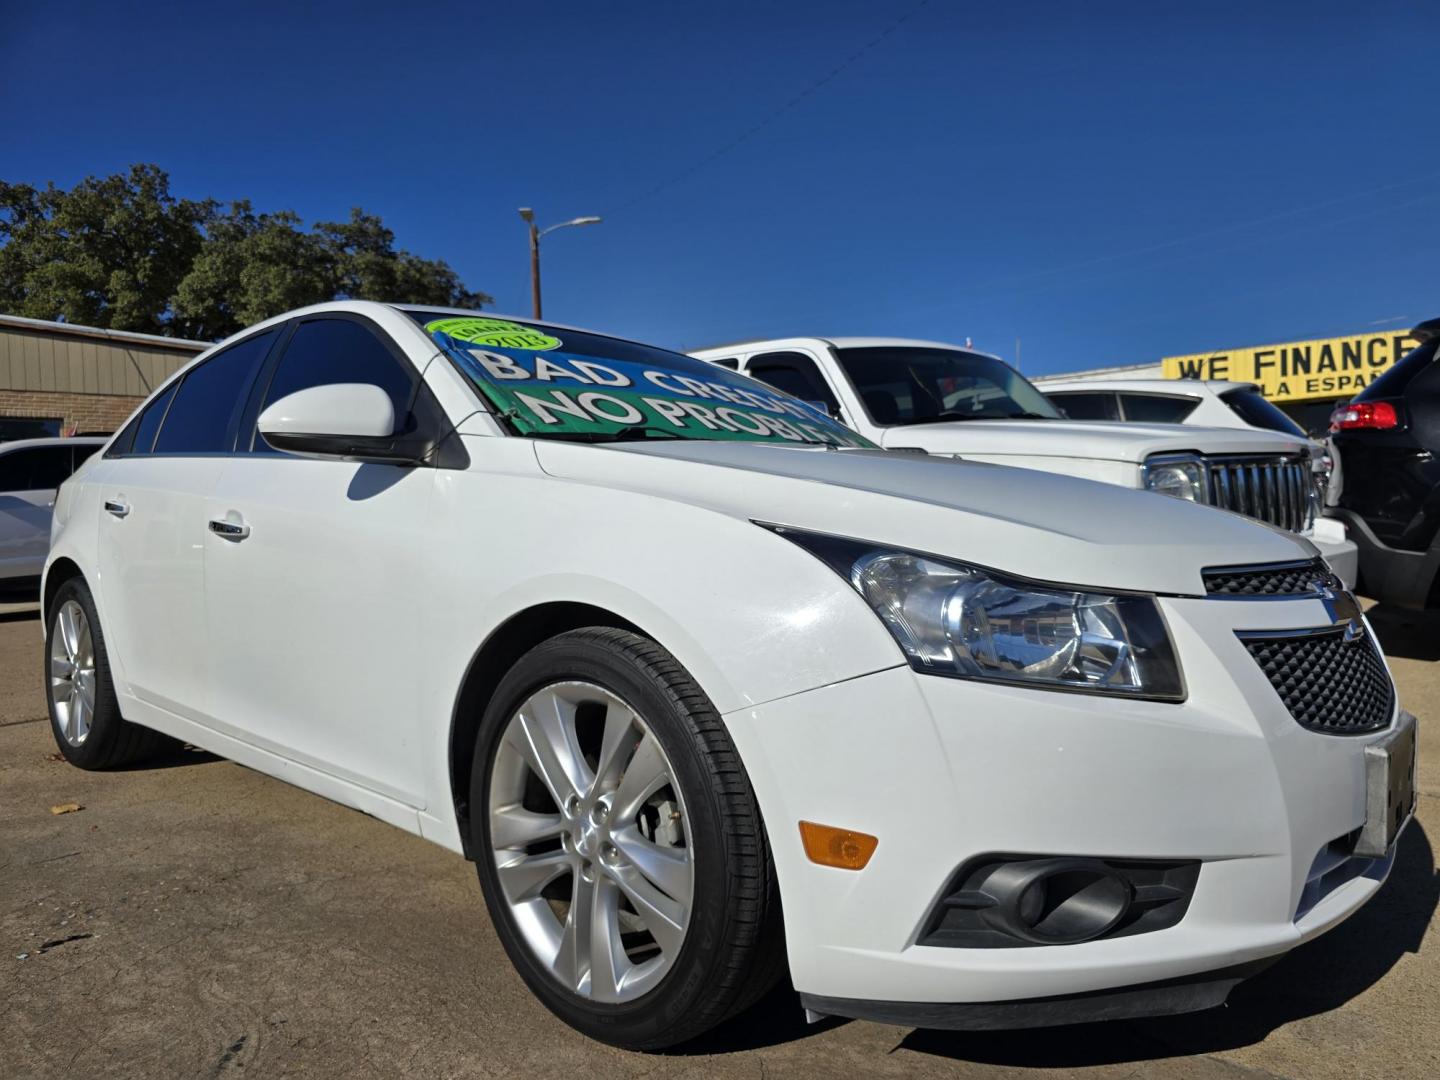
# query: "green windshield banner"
541, 388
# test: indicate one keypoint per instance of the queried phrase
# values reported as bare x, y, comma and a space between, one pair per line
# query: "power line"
686, 173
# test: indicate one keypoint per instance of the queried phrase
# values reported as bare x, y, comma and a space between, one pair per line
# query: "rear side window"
1087, 405
200, 419
139, 435
325, 351
1251, 407
1395, 381
1156, 409
796, 374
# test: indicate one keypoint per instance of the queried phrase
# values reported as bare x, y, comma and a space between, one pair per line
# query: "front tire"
84, 712
619, 844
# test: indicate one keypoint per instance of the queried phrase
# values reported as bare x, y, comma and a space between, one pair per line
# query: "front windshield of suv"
1256, 411
551, 383
909, 384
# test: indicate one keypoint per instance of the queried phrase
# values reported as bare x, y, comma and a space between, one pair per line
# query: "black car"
1388, 441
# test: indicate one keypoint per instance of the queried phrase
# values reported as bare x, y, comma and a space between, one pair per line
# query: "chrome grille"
1277, 490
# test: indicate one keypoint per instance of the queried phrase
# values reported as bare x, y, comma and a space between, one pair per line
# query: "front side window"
1157, 408
796, 374
326, 351
912, 384
209, 398
546, 382
1251, 407
1087, 405
35, 468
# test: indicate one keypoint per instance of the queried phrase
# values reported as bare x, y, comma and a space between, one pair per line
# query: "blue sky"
1109, 183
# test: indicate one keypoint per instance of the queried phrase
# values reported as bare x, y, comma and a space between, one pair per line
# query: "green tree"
251, 266
108, 252
121, 252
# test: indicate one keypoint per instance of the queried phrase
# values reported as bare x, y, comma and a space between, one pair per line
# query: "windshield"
1251, 407
918, 385
545, 382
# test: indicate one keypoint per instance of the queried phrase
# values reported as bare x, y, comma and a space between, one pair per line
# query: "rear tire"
84, 713
606, 694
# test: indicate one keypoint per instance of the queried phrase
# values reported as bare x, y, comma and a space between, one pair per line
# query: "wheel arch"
60, 571
509, 641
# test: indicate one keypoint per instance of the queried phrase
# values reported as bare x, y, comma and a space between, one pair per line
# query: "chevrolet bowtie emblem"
1341, 606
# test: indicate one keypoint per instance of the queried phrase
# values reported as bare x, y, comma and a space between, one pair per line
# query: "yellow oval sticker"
495, 332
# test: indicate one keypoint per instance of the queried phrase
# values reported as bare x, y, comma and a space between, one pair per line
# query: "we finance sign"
1299, 370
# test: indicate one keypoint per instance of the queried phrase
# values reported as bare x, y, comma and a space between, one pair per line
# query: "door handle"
118, 507
229, 530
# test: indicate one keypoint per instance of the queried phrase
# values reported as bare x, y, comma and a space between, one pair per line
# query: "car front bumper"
943, 770
1392, 575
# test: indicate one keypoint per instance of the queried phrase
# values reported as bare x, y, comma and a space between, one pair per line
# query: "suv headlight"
1177, 475
954, 619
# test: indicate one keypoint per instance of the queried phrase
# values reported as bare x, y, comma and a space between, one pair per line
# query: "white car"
659, 648
30, 472
941, 399
1205, 402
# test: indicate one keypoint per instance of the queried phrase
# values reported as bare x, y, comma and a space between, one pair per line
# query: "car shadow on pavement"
1414, 635
31, 614
172, 758
1318, 977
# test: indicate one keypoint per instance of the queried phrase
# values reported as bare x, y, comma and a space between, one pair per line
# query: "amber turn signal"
841, 848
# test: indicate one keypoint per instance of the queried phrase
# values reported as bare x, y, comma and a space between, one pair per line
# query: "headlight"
1182, 477
953, 619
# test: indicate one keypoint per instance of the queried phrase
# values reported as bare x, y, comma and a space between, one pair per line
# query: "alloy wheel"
72, 673
588, 833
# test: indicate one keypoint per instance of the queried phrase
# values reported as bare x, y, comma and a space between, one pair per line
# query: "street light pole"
527, 215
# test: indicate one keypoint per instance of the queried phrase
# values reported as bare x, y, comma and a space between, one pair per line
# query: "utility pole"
527, 215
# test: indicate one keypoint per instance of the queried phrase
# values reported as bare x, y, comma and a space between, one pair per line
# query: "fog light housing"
1013, 901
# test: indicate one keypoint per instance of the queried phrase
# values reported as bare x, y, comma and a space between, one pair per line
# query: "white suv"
941, 399
30, 472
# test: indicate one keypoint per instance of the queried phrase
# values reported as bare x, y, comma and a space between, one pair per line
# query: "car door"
154, 488
29, 476
316, 601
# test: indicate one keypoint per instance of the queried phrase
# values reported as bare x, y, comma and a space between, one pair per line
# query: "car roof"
1189, 387
752, 344
58, 440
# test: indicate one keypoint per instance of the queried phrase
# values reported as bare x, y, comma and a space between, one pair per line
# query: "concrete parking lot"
197, 919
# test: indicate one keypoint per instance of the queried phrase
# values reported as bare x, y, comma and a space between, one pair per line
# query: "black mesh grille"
1282, 579
1329, 684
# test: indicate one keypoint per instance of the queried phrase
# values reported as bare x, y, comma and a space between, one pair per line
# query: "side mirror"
353, 421
827, 410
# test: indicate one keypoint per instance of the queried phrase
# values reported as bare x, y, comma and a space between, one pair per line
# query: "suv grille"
1330, 684
1278, 490
1275, 579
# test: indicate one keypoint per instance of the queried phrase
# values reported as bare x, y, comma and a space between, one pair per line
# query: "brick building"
58, 378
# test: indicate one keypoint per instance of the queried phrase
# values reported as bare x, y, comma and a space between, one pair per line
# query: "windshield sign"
586, 387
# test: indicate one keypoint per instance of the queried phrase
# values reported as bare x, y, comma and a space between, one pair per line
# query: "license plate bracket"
1389, 789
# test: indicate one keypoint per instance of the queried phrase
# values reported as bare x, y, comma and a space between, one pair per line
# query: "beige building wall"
89, 379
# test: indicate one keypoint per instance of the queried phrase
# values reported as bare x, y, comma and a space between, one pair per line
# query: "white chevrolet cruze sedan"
662, 649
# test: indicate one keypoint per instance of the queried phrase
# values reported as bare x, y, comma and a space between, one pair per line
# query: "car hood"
1029, 523
1093, 440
